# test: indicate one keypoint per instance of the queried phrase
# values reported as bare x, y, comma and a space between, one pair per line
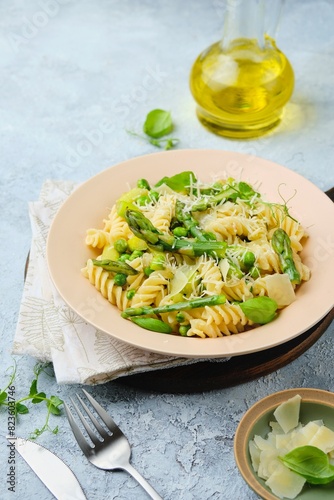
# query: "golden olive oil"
241, 92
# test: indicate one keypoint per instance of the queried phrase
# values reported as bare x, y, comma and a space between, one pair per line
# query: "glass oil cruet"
242, 82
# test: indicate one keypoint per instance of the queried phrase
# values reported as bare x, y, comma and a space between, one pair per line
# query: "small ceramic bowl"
316, 404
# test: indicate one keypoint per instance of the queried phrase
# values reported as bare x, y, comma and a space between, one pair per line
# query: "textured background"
74, 76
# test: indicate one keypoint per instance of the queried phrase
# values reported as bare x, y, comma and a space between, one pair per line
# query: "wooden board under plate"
209, 375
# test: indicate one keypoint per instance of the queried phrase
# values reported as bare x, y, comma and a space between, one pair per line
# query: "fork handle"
142, 481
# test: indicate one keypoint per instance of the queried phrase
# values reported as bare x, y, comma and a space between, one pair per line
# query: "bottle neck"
254, 20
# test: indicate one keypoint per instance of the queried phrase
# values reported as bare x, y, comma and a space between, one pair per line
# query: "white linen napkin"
49, 330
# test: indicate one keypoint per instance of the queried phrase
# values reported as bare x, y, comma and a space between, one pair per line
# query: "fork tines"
105, 417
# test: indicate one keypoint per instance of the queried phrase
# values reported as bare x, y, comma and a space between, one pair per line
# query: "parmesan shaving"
280, 289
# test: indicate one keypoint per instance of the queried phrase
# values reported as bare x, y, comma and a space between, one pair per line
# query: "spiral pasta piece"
116, 226
217, 321
211, 276
153, 289
96, 238
162, 212
239, 291
265, 257
227, 228
103, 282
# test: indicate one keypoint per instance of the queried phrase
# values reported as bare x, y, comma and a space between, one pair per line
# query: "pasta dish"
197, 259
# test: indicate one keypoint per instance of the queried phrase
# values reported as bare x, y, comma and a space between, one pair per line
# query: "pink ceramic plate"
90, 204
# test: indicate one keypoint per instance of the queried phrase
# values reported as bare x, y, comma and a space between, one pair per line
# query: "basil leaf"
180, 182
158, 123
261, 310
155, 325
311, 463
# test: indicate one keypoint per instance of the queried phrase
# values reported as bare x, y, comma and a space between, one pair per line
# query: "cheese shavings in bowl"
288, 434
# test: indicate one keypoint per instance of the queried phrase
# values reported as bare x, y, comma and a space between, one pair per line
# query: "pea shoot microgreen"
157, 125
282, 208
53, 403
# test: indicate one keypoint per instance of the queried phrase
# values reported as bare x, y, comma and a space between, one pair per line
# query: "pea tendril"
17, 406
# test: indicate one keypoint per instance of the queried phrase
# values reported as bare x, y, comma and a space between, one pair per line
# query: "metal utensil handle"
142, 481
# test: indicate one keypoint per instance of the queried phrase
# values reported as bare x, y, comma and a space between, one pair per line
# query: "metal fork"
111, 450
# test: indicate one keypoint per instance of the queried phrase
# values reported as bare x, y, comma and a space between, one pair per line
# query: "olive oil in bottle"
241, 84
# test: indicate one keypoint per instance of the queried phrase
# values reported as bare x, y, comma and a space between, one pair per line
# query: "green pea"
135, 254
142, 200
249, 259
124, 257
120, 279
180, 317
148, 271
154, 195
254, 272
180, 231
130, 294
121, 245
183, 330
143, 184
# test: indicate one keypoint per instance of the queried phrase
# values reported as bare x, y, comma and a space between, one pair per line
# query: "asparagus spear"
212, 300
189, 222
141, 226
115, 266
282, 245
196, 248
144, 229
